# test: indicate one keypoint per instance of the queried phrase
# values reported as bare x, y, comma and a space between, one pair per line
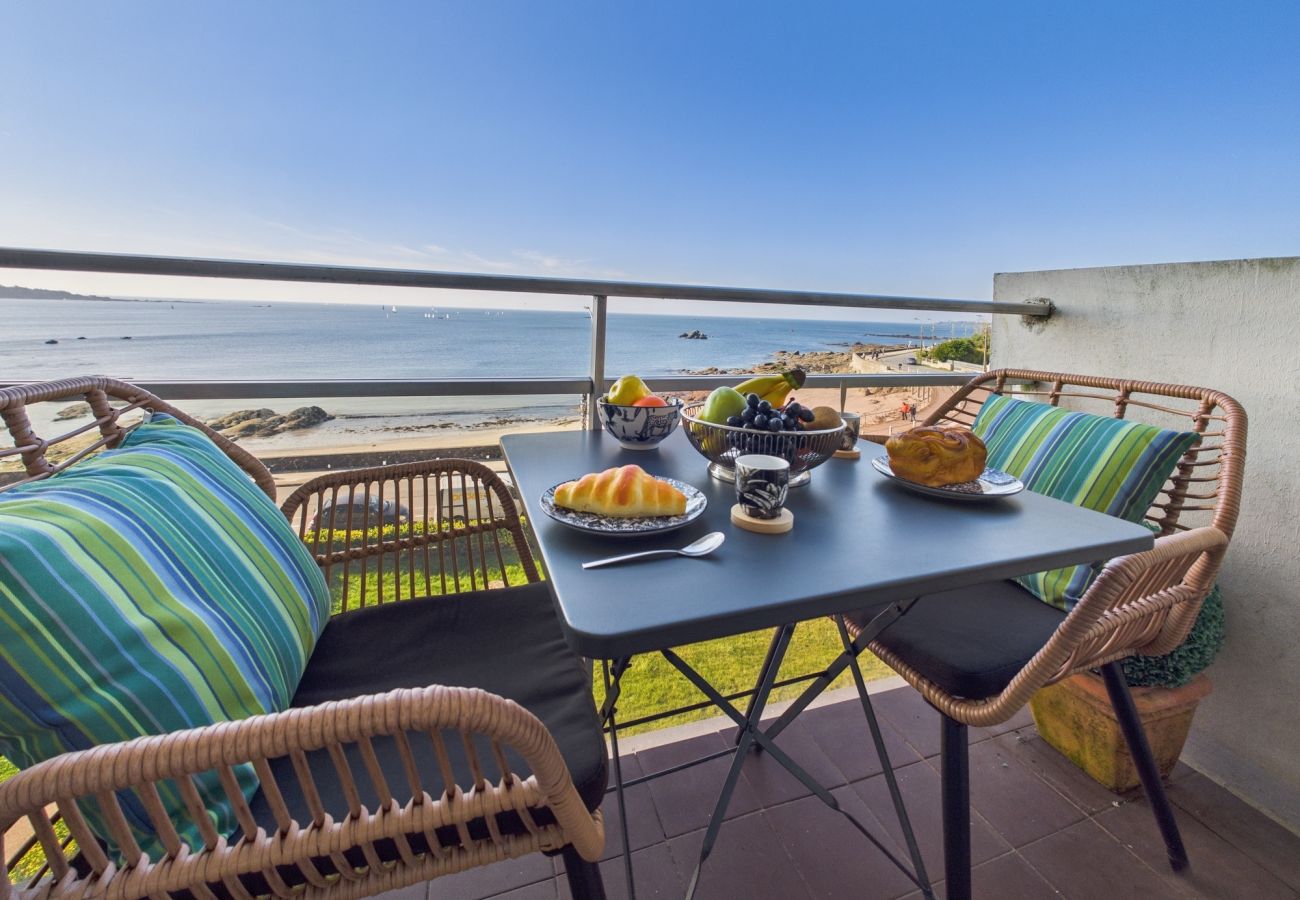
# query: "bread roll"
937, 456
627, 491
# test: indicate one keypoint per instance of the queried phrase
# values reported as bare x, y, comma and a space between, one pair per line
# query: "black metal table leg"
887, 767
749, 727
1138, 747
751, 732
762, 674
955, 763
608, 713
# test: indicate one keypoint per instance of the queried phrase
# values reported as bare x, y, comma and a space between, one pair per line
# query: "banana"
761, 384
773, 388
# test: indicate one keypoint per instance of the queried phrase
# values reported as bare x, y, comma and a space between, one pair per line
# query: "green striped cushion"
1101, 463
149, 589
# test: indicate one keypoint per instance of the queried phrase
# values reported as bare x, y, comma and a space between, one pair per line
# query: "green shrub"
1191, 657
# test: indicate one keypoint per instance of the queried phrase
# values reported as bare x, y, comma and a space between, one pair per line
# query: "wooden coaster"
780, 525
848, 454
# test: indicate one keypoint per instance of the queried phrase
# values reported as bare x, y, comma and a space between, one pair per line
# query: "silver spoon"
703, 547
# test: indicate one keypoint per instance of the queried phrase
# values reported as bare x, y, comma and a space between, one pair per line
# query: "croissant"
937, 456
625, 491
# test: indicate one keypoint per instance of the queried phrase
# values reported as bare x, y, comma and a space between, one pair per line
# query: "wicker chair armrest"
138, 765
1144, 602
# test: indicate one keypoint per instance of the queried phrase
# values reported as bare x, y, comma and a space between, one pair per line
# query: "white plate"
621, 526
991, 485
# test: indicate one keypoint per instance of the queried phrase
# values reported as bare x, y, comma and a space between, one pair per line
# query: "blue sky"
908, 148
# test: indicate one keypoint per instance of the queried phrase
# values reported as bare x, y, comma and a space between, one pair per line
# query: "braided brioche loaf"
625, 491
936, 456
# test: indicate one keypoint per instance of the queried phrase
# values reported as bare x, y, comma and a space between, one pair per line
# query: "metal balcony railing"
587, 384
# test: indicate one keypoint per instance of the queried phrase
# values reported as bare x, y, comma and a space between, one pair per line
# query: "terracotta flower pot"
1076, 718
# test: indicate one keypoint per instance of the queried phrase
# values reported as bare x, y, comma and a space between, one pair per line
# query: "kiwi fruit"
823, 417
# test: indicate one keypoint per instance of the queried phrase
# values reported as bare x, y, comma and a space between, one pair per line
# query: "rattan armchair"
1142, 604
361, 792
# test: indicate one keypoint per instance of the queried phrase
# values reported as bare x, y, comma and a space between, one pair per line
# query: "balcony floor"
1040, 828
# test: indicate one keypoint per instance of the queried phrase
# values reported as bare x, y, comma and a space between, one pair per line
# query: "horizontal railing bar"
482, 387
131, 264
433, 387
908, 379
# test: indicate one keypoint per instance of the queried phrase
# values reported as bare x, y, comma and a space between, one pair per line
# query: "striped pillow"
149, 589
1100, 463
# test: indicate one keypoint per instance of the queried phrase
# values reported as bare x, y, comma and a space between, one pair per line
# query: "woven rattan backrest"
412, 530
110, 400
1206, 481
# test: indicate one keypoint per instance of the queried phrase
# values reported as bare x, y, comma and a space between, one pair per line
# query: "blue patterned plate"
619, 526
991, 485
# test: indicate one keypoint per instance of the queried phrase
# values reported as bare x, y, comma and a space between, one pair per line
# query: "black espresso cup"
762, 483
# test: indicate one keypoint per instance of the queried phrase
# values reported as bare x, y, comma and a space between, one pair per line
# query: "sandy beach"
880, 409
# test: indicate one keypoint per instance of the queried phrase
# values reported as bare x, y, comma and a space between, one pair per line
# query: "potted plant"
1076, 718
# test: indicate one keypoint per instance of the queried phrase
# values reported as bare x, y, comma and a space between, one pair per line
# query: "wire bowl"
721, 444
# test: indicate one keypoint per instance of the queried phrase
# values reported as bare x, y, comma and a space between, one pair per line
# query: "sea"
235, 340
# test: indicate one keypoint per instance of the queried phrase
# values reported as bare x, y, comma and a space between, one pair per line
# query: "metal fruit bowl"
721, 444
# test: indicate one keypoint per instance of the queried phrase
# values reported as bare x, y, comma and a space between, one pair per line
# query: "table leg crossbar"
751, 736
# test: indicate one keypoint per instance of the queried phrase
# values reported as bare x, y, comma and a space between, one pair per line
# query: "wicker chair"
392, 766
1142, 604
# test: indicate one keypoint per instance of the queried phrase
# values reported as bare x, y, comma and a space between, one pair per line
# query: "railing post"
597, 370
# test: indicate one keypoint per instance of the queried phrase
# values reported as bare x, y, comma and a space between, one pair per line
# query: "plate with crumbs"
625, 526
991, 485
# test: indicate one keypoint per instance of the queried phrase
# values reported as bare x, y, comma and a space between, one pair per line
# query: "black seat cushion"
507, 642
971, 642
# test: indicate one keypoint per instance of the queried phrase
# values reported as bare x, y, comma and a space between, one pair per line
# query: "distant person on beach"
903, 410
911, 411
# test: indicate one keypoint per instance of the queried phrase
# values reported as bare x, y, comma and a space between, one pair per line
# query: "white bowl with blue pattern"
640, 427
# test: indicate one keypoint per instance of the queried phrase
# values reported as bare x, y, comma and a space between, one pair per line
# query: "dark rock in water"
73, 411
696, 335
127, 338
51, 341
267, 422
82, 338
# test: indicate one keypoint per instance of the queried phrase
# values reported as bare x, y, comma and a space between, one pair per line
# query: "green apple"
722, 404
627, 391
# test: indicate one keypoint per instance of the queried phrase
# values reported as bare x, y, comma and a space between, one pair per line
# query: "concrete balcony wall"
1234, 326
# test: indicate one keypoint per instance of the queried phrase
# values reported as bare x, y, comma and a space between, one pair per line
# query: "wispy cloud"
347, 247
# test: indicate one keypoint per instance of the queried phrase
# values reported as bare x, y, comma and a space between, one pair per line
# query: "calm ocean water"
234, 340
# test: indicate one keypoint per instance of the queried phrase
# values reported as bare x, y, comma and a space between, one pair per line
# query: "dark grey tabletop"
858, 542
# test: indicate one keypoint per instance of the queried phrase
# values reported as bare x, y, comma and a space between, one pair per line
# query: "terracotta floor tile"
656, 877
1086, 862
919, 784
916, 720
748, 861
1218, 870
1005, 877
773, 784
410, 892
842, 733
541, 890
1048, 764
1250, 831
644, 828
1017, 803
685, 800
833, 857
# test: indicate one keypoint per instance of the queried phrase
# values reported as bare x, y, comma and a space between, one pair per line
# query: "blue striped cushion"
149, 589
1110, 465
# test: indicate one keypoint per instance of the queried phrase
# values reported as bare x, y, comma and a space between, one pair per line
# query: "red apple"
650, 400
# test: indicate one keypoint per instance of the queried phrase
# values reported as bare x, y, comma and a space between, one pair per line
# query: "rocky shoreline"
818, 362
